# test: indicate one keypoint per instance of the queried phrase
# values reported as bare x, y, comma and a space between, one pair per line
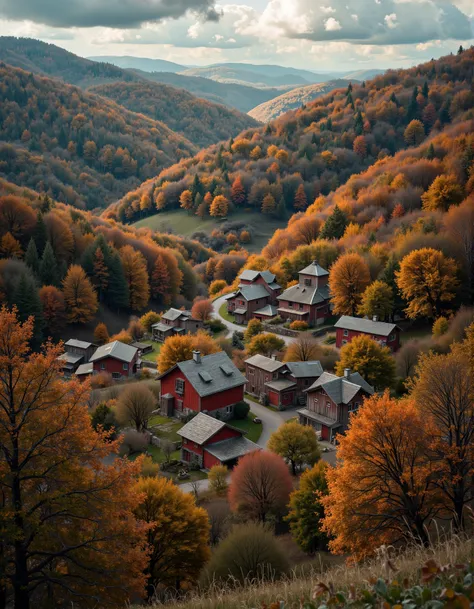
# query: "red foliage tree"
261, 484
237, 194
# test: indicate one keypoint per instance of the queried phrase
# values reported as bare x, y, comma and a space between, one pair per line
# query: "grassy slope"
254, 430
181, 223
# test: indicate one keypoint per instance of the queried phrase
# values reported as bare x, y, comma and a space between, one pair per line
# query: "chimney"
315, 262
197, 357
274, 357
375, 318
347, 373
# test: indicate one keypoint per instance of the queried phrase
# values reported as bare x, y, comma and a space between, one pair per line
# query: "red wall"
393, 344
191, 398
210, 460
224, 434
114, 365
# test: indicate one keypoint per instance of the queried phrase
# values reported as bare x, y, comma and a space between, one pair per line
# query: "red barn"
116, 358
212, 442
388, 335
210, 383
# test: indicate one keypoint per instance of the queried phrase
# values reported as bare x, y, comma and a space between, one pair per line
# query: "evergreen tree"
335, 225
425, 91
358, 123
460, 50
349, 89
412, 112
281, 209
394, 99
388, 276
160, 281
28, 303
117, 290
350, 101
31, 256
445, 112
431, 152
48, 269
329, 124
197, 187
41, 234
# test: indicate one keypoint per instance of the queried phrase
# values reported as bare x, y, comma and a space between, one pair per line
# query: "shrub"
149, 319
218, 478
135, 441
249, 551
440, 327
149, 468
215, 325
241, 410
275, 321
300, 326
101, 380
330, 340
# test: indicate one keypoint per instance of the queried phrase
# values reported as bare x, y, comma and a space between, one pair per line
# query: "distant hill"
51, 60
140, 63
363, 74
199, 120
78, 147
248, 77
291, 100
241, 97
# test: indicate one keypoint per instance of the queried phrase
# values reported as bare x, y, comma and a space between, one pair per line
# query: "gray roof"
274, 285
85, 369
161, 327
80, 344
341, 389
280, 384
301, 370
116, 349
70, 358
319, 418
315, 270
361, 324
265, 363
305, 295
250, 275
233, 448
268, 310
201, 428
240, 311
223, 373
173, 314
252, 292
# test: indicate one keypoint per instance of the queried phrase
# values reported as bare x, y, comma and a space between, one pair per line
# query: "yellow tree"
443, 387
367, 357
80, 296
268, 204
427, 281
443, 192
348, 279
178, 536
219, 207
186, 200
136, 276
101, 334
414, 133
296, 443
381, 491
180, 348
69, 534
377, 300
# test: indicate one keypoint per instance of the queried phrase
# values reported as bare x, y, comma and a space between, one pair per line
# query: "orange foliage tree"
54, 308
348, 279
260, 485
219, 207
301, 202
237, 193
202, 309
136, 275
67, 517
80, 296
381, 490
180, 348
101, 334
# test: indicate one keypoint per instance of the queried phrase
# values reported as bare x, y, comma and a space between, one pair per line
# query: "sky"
318, 35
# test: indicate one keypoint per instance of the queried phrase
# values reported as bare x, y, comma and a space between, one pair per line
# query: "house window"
344, 342
353, 407
290, 305
306, 382
229, 409
391, 337
275, 376
307, 281
346, 332
251, 371
301, 307
179, 386
102, 366
125, 366
328, 404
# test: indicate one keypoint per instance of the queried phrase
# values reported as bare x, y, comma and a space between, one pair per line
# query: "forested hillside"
291, 100
200, 121
284, 167
50, 252
77, 147
51, 60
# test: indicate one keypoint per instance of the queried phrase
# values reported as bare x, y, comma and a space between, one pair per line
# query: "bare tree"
135, 405
167, 447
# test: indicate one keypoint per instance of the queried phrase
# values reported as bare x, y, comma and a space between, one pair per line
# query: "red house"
256, 296
388, 335
211, 384
210, 441
331, 401
308, 300
116, 358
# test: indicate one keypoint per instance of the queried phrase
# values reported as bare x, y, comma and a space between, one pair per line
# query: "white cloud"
327, 10
391, 20
332, 25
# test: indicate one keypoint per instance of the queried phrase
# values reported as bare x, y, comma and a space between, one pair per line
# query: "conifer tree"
335, 225
48, 266
117, 290
358, 123
300, 202
41, 234
28, 303
160, 281
31, 256
101, 273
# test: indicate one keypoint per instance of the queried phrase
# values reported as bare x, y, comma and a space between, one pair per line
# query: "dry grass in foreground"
293, 590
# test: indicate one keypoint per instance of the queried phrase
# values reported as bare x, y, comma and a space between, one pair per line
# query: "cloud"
332, 25
120, 14
362, 22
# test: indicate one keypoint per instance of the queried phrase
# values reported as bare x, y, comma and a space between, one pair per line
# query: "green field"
151, 357
182, 223
254, 430
224, 313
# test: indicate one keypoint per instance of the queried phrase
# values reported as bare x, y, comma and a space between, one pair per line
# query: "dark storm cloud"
107, 13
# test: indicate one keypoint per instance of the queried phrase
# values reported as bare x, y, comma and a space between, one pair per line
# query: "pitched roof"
173, 314
265, 363
252, 292
85, 369
305, 295
368, 326
70, 358
161, 327
341, 389
79, 344
274, 285
251, 275
233, 448
280, 384
117, 350
221, 373
315, 270
305, 369
268, 311
201, 428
